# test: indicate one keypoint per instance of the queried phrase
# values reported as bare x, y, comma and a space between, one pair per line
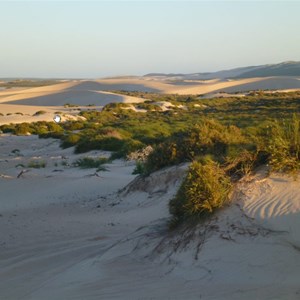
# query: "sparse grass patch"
65, 163
39, 112
20, 166
70, 105
89, 162
37, 164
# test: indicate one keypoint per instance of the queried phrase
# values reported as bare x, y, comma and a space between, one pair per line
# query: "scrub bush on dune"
208, 137
89, 162
205, 189
283, 145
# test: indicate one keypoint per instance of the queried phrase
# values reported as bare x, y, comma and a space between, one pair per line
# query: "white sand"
65, 234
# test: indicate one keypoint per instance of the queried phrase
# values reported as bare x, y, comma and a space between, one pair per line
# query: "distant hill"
283, 69
290, 68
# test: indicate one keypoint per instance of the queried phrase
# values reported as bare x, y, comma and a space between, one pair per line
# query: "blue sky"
98, 38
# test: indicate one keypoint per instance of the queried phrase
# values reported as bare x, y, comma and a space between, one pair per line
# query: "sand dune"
53, 98
80, 236
80, 93
98, 92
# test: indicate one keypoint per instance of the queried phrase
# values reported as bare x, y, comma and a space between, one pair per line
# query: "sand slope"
67, 234
53, 98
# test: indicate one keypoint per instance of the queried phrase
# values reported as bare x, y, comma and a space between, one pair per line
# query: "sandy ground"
68, 234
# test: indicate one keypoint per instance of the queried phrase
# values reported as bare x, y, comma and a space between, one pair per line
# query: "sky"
92, 39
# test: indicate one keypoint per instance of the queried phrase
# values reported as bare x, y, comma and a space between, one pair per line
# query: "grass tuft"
89, 163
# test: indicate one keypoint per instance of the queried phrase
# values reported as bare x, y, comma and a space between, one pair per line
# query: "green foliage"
139, 168
40, 112
73, 125
70, 140
205, 189
70, 105
283, 145
37, 164
207, 137
8, 128
22, 129
88, 162
28, 83
129, 145
241, 163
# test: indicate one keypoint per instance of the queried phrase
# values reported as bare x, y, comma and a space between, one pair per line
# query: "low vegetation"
89, 163
37, 164
40, 112
27, 83
205, 188
283, 145
223, 139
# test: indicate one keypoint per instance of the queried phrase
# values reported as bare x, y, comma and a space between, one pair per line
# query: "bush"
37, 164
70, 140
283, 145
208, 137
8, 128
139, 168
205, 189
241, 161
88, 162
129, 146
22, 129
40, 112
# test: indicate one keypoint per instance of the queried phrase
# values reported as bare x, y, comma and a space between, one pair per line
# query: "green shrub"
20, 166
70, 140
74, 125
129, 145
283, 145
70, 105
40, 112
88, 162
205, 189
22, 129
8, 128
242, 163
208, 137
139, 168
37, 164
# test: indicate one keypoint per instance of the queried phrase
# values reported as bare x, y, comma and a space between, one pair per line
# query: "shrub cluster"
205, 188
283, 145
89, 162
220, 155
37, 164
209, 137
